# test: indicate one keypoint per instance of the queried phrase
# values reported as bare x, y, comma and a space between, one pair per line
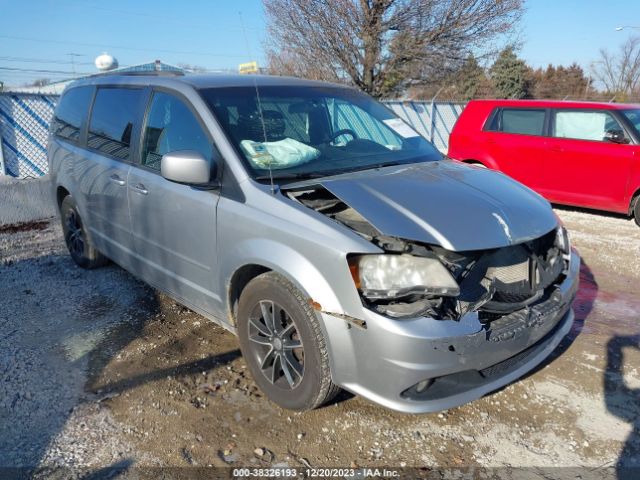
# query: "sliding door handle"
140, 188
115, 178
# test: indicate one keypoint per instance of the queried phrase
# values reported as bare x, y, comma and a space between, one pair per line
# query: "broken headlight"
389, 276
562, 240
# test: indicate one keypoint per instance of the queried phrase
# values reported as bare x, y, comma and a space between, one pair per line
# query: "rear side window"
527, 121
112, 118
70, 113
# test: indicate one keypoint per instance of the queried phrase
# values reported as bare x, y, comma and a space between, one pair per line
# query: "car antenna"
255, 85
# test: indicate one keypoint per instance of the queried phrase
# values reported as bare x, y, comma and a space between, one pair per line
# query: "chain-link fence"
433, 120
24, 126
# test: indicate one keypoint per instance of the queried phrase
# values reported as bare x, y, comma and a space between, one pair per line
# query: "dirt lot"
98, 370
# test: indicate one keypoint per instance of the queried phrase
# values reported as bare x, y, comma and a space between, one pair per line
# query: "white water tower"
106, 62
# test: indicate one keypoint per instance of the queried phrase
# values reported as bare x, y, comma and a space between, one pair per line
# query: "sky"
567, 31
220, 34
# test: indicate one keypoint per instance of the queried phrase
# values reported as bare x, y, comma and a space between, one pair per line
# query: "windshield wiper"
292, 175
362, 168
384, 164
328, 173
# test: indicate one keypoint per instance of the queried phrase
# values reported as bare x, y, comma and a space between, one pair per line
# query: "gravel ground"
98, 370
53, 323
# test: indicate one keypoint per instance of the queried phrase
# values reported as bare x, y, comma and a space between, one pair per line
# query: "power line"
119, 47
38, 70
41, 60
28, 73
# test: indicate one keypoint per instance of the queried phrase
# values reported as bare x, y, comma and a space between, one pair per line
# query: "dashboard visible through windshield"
306, 132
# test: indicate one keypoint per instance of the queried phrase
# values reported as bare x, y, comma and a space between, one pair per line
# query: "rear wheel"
78, 242
636, 211
283, 345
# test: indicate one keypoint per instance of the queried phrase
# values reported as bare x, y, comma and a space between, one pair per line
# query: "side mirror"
186, 166
615, 136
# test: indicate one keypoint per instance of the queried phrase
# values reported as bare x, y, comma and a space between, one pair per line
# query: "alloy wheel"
74, 236
275, 342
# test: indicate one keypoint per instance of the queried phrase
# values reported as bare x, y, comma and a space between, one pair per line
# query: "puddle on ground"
79, 345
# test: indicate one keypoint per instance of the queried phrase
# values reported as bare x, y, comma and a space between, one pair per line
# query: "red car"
572, 153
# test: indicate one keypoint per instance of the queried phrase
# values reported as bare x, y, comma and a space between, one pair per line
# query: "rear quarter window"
70, 112
524, 121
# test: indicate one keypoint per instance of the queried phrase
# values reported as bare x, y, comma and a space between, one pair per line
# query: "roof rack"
150, 73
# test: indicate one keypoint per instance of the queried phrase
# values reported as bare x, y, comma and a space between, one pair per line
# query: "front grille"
511, 272
503, 280
508, 297
485, 316
520, 274
459, 382
508, 364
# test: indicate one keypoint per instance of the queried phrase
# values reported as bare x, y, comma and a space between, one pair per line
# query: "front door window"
170, 127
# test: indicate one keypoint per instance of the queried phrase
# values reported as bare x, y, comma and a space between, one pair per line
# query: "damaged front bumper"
424, 365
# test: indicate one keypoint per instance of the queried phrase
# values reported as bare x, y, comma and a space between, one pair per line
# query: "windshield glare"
302, 132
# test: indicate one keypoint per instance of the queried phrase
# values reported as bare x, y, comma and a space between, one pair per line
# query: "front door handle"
140, 188
115, 178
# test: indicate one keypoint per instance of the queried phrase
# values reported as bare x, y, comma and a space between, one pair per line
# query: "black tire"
313, 387
636, 210
78, 242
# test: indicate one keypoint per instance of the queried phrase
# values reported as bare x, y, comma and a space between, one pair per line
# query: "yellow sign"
249, 67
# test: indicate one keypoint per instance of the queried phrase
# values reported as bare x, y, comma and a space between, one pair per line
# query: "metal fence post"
433, 120
433, 115
3, 168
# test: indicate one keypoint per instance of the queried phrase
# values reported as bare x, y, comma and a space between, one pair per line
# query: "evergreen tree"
559, 82
509, 75
469, 78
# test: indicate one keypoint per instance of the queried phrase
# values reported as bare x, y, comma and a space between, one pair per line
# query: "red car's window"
584, 125
523, 121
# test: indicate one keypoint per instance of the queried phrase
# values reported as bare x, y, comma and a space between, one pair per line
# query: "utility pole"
73, 62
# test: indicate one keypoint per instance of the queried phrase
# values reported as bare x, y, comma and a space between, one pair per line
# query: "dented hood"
445, 203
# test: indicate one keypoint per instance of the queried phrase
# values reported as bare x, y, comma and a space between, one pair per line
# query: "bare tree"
620, 73
192, 68
286, 62
40, 82
382, 45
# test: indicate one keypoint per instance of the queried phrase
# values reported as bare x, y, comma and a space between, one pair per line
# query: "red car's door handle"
555, 148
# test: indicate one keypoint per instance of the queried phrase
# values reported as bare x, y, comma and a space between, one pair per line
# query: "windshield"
300, 132
633, 115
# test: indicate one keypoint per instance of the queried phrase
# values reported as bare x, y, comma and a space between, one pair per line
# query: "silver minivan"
337, 243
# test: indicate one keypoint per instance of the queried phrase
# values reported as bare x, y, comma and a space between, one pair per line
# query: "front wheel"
283, 345
78, 242
636, 211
